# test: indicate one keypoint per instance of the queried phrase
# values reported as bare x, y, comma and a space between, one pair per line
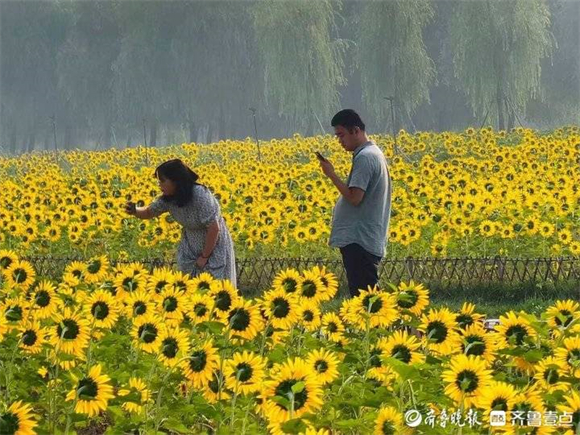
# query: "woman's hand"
130, 208
201, 262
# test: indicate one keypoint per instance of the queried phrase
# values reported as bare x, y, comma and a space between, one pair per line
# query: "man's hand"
201, 262
327, 168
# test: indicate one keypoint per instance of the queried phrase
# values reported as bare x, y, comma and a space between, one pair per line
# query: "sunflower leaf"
298, 387
294, 426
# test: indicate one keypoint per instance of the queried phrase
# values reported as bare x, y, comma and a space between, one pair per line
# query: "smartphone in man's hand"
320, 156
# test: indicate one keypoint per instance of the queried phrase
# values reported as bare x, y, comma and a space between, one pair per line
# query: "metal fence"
258, 273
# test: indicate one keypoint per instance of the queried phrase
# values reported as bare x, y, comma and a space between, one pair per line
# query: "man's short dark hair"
348, 119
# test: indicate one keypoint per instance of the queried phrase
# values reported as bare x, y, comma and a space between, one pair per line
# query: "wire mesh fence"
258, 273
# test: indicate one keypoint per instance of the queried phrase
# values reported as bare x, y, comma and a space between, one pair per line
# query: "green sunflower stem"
244, 422
69, 413
233, 415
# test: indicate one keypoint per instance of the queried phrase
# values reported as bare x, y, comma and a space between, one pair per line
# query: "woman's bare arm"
143, 213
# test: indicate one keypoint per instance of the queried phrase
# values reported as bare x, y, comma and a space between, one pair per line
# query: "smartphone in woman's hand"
131, 207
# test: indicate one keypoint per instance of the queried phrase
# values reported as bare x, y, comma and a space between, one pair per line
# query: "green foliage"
391, 54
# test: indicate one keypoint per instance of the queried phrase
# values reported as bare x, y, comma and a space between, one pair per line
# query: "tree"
30, 36
84, 63
498, 47
392, 57
560, 102
219, 73
303, 63
144, 79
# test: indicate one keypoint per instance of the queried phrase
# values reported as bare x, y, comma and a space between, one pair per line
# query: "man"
360, 221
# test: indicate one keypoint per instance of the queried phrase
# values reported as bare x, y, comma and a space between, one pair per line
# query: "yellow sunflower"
309, 316
562, 314
31, 337
466, 378
7, 257
439, 327
97, 270
467, 316
202, 282
43, 300
173, 347
127, 282
311, 288
102, 310
201, 365
20, 274
17, 420
324, 363
329, 281
496, 396
146, 332
215, 390
15, 310
476, 341
292, 391
280, 308
136, 394
139, 303
76, 272
244, 320
288, 280
201, 307
572, 407
70, 333
514, 330
244, 372
526, 403
92, 392
160, 280
171, 305
389, 422
550, 374
225, 296
374, 308
332, 327
570, 353
402, 346
412, 297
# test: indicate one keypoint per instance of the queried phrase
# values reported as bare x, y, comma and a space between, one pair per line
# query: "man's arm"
354, 195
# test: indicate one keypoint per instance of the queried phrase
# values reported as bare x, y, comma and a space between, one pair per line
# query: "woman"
206, 244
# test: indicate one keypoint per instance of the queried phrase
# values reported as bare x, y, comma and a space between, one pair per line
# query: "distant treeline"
95, 74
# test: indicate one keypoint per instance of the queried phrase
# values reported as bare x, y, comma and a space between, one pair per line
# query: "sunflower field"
477, 193
121, 350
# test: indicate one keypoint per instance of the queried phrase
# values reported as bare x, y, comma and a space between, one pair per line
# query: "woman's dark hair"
183, 177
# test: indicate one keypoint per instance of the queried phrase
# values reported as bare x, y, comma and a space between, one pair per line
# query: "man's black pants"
362, 268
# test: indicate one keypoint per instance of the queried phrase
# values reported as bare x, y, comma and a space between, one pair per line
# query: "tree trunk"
192, 131
153, 134
221, 126
47, 142
67, 137
499, 102
107, 134
210, 132
31, 140
13, 139
511, 119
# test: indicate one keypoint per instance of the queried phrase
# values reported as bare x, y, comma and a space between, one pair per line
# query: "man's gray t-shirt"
368, 223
